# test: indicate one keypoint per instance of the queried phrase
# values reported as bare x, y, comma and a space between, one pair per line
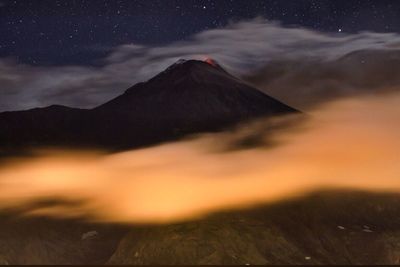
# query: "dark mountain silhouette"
191, 96
188, 97
328, 227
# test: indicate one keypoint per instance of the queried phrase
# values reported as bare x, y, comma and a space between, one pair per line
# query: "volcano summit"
190, 96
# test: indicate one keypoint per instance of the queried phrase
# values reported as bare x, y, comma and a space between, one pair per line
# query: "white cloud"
242, 48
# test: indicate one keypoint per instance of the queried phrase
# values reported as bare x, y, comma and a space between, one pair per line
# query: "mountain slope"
329, 227
188, 97
323, 228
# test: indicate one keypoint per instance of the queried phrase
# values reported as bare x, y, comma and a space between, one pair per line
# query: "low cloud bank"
350, 144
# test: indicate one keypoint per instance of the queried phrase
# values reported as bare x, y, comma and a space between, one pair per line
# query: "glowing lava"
211, 61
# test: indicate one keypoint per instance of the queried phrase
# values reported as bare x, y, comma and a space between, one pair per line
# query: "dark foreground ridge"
345, 228
188, 97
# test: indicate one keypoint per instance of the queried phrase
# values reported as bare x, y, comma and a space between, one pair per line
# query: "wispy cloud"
244, 48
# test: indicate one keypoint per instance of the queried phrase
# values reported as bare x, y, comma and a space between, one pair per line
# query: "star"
83, 23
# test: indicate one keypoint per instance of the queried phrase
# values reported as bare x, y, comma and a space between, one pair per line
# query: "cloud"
305, 83
244, 48
351, 144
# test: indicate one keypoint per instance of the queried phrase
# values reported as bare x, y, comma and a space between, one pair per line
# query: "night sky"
49, 32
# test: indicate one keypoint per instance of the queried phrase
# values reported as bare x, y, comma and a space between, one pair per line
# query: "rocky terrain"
328, 227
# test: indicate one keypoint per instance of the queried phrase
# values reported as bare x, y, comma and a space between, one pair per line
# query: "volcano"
188, 97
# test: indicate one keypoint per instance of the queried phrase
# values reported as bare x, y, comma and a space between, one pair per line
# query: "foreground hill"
322, 228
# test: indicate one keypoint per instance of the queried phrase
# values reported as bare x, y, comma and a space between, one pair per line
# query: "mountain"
188, 97
326, 227
330, 227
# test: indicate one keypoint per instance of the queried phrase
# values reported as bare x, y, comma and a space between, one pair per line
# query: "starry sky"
80, 32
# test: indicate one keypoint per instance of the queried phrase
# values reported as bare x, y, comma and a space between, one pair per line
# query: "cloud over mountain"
249, 48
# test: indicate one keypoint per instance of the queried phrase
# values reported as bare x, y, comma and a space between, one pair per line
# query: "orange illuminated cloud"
350, 144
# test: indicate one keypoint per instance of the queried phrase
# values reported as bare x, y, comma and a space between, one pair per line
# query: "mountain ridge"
188, 97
